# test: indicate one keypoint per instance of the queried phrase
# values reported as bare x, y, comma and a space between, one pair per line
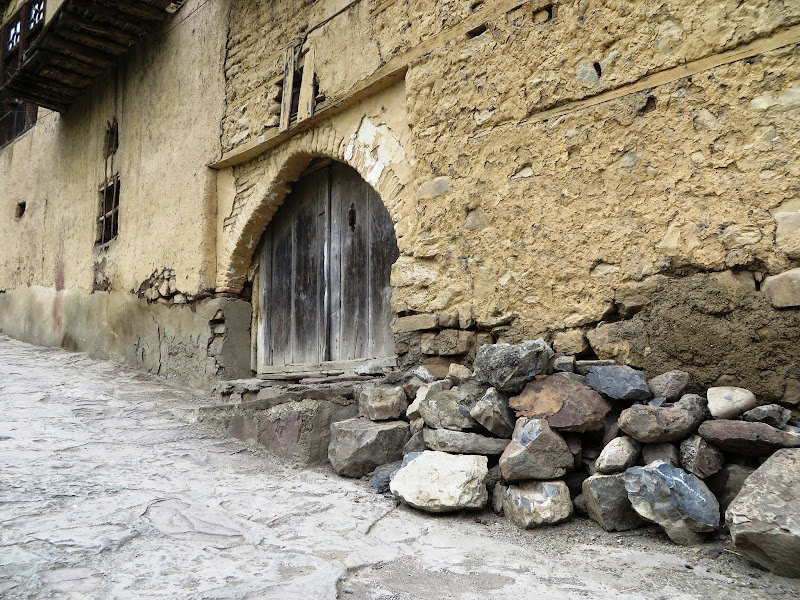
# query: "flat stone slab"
461, 442
756, 439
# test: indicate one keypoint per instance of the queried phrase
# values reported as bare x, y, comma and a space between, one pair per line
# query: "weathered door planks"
326, 259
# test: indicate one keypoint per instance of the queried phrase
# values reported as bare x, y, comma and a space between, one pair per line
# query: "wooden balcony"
83, 40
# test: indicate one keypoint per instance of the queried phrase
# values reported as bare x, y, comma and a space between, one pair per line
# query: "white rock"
441, 482
729, 402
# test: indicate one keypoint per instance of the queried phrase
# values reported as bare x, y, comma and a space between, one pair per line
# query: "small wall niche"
20, 210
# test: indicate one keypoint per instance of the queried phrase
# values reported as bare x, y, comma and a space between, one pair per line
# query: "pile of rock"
545, 436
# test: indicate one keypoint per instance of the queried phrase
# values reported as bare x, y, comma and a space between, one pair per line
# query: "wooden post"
307, 93
289, 66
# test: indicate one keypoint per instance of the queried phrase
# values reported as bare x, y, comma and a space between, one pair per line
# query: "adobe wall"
58, 288
561, 161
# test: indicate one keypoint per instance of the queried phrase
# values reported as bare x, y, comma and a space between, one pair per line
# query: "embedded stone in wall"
622, 342
359, 445
679, 502
607, 503
787, 233
783, 290
509, 367
424, 392
448, 342
669, 385
535, 503
667, 423
764, 519
441, 482
458, 373
535, 452
415, 323
566, 404
572, 342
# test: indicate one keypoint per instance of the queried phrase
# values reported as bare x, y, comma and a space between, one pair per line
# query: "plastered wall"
167, 94
562, 158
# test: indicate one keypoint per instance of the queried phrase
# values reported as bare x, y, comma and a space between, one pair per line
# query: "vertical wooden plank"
335, 269
264, 329
355, 262
307, 103
383, 254
309, 212
279, 304
289, 67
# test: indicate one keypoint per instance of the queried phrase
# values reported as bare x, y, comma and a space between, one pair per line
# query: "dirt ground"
108, 489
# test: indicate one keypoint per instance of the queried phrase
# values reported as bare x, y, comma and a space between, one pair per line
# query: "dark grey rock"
669, 423
771, 414
582, 367
606, 501
414, 445
678, 501
358, 445
509, 367
618, 382
535, 452
379, 479
669, 385
764, 519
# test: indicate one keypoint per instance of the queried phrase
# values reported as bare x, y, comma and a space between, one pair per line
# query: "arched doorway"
324, 266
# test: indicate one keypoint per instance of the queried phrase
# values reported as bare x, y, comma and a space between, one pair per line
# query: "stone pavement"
109, 490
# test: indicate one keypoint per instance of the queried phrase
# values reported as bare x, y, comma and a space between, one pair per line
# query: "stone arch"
373, 151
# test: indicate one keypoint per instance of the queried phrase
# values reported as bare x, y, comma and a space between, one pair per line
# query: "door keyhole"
351, 217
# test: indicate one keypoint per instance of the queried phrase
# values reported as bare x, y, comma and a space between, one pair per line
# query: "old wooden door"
325, 261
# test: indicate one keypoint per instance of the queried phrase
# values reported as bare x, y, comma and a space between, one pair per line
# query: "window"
18, 34
108, 221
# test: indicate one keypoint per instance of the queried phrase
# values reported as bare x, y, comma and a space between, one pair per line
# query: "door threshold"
324, 369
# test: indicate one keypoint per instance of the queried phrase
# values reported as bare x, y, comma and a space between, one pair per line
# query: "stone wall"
558, 158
